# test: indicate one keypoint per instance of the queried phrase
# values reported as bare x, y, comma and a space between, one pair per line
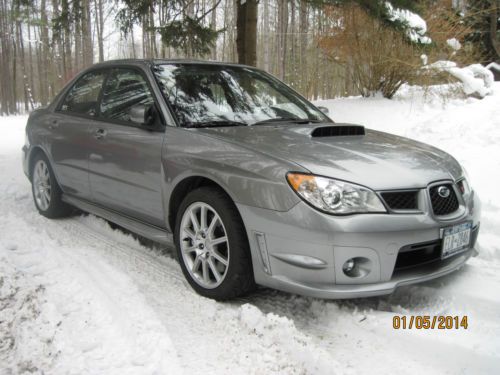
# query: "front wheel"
212, 245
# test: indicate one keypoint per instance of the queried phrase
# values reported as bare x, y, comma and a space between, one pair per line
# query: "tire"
202, 252
45, 189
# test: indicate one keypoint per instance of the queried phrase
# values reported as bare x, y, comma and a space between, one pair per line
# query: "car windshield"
203, 95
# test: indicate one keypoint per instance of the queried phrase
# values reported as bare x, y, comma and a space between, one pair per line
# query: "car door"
125, 157
69, 133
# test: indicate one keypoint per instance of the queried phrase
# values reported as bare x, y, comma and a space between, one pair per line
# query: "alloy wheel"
204, 245
41, 185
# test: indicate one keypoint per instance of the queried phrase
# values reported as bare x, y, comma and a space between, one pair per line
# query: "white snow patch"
476, 79
416, 25
454, 44
424, 58
494, 66
281, 335
66, 309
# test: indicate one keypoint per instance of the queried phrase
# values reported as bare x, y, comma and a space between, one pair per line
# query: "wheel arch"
36, 150
183, 188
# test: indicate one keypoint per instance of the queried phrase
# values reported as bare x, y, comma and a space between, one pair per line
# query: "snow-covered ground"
77, 297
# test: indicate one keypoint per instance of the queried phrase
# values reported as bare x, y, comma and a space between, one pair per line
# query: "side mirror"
324, 110
143, 115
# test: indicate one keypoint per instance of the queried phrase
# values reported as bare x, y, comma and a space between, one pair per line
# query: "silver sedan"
253, 183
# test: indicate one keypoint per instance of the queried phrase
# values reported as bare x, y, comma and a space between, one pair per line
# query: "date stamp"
430, 322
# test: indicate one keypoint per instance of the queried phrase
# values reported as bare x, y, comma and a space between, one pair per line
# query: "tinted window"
124, 89
82, 97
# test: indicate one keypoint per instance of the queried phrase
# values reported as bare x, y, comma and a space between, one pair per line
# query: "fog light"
357, 267
348, 266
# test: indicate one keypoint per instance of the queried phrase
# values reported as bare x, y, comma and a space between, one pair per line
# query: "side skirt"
151, 232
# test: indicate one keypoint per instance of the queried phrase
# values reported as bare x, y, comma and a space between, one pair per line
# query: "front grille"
418, 255
441, 205
426, 254
401, 200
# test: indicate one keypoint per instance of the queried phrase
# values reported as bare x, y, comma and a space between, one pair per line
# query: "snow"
476, 79
416, 25
454, 44
424, 58
494, 66
78, 297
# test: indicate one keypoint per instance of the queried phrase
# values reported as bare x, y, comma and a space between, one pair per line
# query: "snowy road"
78, 297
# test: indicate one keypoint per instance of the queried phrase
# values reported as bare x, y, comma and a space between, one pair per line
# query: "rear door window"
82, 98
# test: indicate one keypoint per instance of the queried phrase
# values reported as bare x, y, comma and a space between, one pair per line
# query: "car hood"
377, 160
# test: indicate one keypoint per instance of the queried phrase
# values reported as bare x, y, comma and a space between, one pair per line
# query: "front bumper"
302, 250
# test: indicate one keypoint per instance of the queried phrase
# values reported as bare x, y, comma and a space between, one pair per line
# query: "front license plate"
456, 239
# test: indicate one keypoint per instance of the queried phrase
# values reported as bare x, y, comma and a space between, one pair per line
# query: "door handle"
54, 124
100, 133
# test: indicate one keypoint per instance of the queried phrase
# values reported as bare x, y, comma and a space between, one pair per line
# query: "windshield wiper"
295, 120
214, 124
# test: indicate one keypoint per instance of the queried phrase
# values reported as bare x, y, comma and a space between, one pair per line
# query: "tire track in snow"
209, 337
98, 320
330, 324
275, 331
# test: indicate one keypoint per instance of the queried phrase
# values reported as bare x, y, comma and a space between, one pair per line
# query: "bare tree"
246, 24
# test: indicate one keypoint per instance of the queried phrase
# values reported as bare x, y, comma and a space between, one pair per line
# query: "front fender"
250, 178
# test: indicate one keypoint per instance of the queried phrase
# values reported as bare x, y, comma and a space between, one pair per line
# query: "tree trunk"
246, 25
30, 61
282, 37
22, 62
266, 34
494, 15
87, 48
5, 60
43, 67
213, 26
78, 34
99, 22
68, 63
57, 48
304, 28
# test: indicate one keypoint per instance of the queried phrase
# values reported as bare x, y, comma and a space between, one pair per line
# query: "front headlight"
464, 185
334, 196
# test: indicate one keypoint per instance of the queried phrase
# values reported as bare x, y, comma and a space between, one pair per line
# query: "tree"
246, 40
183, 27
483, 18
246, 25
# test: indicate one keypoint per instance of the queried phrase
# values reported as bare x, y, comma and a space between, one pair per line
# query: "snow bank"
476, 79
281, 335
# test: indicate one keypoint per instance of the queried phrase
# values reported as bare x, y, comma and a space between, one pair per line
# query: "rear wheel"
212, 245
46, 192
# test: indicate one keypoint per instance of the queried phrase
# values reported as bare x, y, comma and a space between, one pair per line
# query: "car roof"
150, 62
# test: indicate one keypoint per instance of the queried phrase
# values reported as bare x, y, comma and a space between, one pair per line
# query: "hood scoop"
338, 130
